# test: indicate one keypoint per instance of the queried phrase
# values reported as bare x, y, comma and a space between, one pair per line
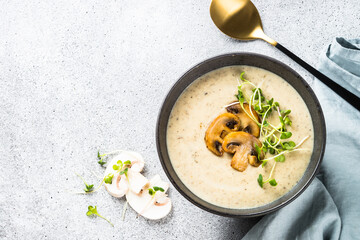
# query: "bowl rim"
252, 214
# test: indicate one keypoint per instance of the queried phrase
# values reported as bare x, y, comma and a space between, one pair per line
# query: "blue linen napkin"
330, 207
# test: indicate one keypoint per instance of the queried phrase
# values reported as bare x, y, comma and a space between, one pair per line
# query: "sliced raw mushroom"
120, 183
136, 181
137, 161
151, 207
242, 145
119, 186
218, 129
247, 124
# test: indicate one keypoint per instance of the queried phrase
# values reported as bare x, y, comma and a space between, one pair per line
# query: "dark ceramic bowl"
256, 60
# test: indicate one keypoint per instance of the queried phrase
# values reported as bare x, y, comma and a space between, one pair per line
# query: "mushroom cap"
247, 124
218, 129
242, 144
146, 205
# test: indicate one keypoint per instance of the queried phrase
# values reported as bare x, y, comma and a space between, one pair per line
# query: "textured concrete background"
78, 76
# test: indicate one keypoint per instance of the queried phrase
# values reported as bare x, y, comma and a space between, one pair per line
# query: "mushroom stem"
151, 201
124, 210
271, 173
302, 141
286, 151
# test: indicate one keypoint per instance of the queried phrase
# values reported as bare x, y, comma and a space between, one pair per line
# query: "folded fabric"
329, 208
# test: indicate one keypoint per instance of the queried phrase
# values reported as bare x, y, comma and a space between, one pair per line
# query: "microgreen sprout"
122, 167
101, 157
92, 211
88, 187
270, 180
153, 190
272, 135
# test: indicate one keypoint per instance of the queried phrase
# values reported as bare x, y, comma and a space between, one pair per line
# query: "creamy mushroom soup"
211, 177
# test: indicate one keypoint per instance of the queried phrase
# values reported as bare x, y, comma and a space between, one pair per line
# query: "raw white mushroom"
137, 161
136, 181
151, 207
120, 185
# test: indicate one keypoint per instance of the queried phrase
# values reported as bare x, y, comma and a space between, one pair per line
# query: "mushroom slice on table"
242, 145
135, 180
119, 186
151, 207
247, 124
137, 161
218, 129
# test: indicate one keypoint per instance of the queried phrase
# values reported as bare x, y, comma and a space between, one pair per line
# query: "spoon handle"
342, 92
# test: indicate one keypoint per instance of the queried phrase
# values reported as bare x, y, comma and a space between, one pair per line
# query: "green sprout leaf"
108, 178
286, 112
88, 187
92, 211
258, 151
273, 182
265, 123
240, 96
158, 189
285, 135
289, 145
287, 121
153, 190
124, 171
260, 180
101, 160
242, 77
119, 164
128, 162
280, 158
270, 102
263, 164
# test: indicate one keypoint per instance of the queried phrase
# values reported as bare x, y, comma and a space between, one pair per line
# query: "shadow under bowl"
255, 60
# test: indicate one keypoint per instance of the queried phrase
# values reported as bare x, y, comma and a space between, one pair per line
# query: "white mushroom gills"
151, 207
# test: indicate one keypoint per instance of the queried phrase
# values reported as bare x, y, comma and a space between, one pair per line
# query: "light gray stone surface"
78, 76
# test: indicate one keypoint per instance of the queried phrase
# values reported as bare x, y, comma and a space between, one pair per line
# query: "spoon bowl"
238, 19
241, 20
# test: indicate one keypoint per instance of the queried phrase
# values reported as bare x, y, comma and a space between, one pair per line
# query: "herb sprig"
92, 211
154, 189
102, 157
273, 136
88, 187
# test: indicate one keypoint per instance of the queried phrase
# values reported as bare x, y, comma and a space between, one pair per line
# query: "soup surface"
211, 177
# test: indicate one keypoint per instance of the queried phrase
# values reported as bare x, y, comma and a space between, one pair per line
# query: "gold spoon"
240, 19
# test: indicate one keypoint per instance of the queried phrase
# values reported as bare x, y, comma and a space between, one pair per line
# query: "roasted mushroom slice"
242, 144
218, 129
247, 124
